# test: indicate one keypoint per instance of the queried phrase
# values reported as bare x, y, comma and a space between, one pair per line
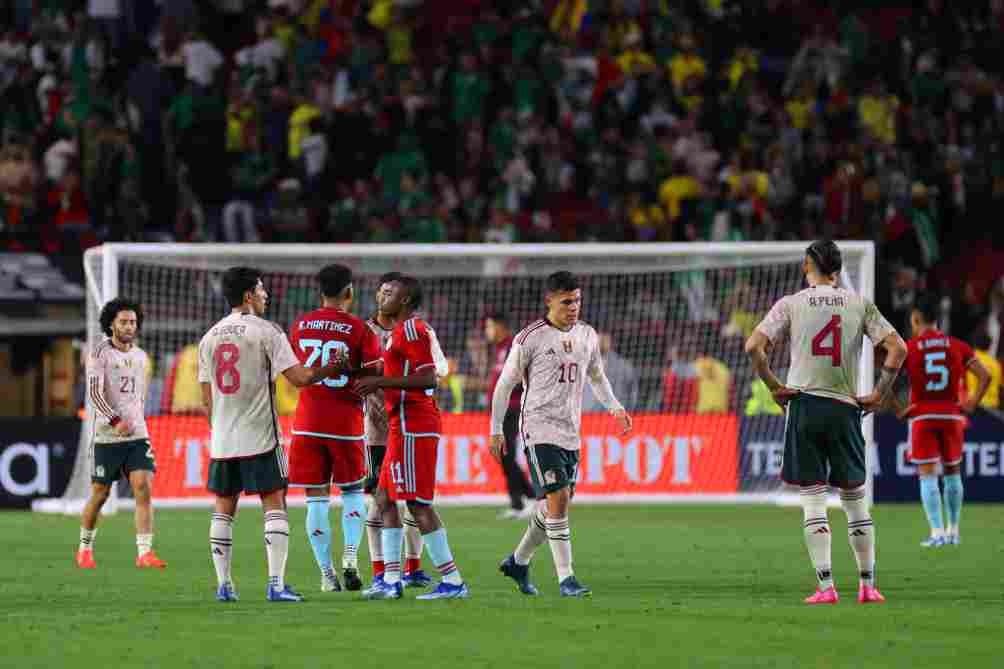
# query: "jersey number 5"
315, 348
832, 350
934, 365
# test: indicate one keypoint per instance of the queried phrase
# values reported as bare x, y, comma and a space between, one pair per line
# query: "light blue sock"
953, 501
391, 538
319, 531
439, 552
930, 497
353, 518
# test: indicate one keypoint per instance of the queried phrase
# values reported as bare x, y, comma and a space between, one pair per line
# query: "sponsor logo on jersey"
551, 351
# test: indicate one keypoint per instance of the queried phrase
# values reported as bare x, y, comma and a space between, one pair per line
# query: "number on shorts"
225, 360
831, 350
319, 350
934, 366
397, 473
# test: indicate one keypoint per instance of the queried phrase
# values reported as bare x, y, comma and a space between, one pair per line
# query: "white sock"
413, 541
391, 539
221, 534
277, 547
559, 536
144, 544
374, 526
87, 539
860, 532
535, 535
816, 527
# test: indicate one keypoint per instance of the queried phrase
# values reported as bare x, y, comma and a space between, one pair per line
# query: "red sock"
411, 565
377, 568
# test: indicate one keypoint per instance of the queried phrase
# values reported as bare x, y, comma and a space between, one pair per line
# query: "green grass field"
674, 586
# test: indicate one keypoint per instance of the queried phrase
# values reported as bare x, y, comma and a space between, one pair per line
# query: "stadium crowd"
528, 120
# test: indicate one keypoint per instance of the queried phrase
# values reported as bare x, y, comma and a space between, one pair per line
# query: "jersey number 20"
832, 350
317, 349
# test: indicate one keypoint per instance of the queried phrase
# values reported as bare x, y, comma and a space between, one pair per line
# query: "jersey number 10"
832, 350
317, 349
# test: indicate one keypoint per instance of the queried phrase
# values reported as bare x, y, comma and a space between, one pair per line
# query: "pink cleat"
869, 594
828, 596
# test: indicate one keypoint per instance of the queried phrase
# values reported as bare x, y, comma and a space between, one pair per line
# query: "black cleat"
571, 587
519, 573
352, 581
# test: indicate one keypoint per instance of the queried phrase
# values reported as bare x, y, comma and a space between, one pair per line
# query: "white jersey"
827, 326
552, 365
241, 357
116, 389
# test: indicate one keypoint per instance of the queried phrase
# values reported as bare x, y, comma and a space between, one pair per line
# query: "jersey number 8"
317, 349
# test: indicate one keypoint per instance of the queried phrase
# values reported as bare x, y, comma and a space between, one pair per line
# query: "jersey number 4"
832, 350
320, 350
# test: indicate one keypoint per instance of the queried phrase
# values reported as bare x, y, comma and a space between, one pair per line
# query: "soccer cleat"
375, 585
329, 582
150, 560
571, 587
869, 594
933, 542
226, 593
416, 579
85, 559
828, 596
952, 540
447, 591
352, 580
384, 590
519, 573
287, 594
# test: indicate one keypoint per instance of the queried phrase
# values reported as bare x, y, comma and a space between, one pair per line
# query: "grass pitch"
674, 586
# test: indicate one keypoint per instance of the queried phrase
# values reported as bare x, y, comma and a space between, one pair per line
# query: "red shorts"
317, 461
409, 467
936, 440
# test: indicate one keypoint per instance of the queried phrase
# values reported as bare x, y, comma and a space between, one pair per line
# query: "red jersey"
936, 365
501, 353
408, 351
329, 408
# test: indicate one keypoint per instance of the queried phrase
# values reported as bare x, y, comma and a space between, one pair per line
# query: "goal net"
673, 319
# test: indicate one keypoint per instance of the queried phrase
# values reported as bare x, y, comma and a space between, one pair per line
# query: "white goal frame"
105, 287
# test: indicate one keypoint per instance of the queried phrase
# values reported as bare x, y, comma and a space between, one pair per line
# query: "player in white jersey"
239, 360
116, 389
551, 358
823, 443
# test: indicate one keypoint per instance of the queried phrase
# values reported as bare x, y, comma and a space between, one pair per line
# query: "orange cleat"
85, 559
150, 560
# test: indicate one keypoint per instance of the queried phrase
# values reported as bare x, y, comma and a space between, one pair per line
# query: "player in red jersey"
409, 467
936, 365
328, 435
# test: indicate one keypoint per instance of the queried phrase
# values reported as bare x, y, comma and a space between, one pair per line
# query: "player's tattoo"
886, 381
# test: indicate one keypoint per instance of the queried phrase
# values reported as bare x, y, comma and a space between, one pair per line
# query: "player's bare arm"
895, 349
757, 348
207, 400
423, 380
301, 376
983, 377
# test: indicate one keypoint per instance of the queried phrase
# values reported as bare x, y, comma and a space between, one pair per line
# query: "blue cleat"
416, 579
226, 593
447, 591
383, 590
933, 542
572, 588
519, 573
287, 594
375, 585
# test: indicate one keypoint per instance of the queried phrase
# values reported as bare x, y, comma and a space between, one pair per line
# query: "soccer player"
936, 365
823, 443
409, 467
116, 389
552, 357
328, 438
239, 360
414, 576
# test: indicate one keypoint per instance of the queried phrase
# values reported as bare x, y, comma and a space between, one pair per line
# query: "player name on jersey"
325, 326
835, 301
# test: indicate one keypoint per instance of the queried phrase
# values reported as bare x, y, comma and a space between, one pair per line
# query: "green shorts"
552, 468
121, 459
823, 442
257, 475
376, 454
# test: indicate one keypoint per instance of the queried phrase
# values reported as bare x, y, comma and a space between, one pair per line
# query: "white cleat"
329, 583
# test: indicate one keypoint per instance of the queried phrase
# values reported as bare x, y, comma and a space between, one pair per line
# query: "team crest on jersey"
567, 345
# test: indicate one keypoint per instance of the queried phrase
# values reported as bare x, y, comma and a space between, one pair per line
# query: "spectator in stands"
981, 348
622, 374
694, 382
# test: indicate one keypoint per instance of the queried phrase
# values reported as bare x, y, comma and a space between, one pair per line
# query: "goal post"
673, 319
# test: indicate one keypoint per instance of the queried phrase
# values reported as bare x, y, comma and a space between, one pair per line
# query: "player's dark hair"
334, 279
237, 281
826, 255
562, 282
499, 317
414, 289
113, 308
929, 307
388, 277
